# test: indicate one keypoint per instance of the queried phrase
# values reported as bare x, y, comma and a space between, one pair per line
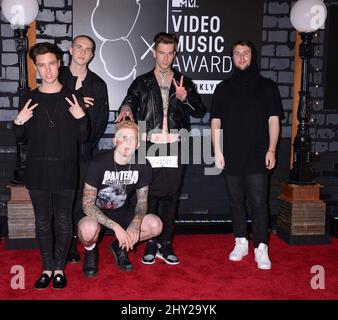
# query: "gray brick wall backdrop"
8, 105
54, 24
277, 63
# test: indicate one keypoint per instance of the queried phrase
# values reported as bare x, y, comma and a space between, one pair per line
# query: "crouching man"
111, 180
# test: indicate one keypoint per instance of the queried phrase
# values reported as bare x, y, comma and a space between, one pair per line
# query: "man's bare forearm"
91, 210
141, 208
216, 134
273, 132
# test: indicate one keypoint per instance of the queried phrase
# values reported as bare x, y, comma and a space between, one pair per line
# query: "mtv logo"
184, 3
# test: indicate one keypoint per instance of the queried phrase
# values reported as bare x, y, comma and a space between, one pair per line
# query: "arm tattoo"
91, 210
141, 207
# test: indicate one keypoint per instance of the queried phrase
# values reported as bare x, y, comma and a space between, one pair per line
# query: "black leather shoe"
90, 264
121, 257
43, 281
73, 255
59, 281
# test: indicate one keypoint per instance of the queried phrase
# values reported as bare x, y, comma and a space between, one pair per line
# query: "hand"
125, 113
123, 237
134, 233
75, 108
89, 101
181, 93
270, 159
219, 160
26, 113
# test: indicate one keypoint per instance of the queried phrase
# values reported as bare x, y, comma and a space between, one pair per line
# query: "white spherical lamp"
308, 15
20, 13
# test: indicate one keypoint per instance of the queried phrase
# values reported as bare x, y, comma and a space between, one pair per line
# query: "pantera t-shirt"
116, 183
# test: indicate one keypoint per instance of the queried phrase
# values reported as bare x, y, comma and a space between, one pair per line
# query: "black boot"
90, 265
121, 256
73, 255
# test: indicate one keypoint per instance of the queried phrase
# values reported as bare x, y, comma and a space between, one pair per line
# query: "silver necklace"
51, 122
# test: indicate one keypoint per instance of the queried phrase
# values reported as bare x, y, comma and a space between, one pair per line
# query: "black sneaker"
73, 255
150, 252
166, 253
121, 257
90, 265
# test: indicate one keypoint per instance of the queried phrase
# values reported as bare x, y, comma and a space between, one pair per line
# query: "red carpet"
205, 273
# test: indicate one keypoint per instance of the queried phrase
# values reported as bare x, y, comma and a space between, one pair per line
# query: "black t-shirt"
116, 183
244, 109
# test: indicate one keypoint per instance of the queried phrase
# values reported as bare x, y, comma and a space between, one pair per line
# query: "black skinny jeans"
251, 189
164, 191
53, 225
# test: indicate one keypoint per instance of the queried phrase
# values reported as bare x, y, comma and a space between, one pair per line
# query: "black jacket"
92, 86
144, 98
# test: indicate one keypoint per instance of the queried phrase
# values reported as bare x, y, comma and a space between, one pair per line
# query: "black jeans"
251, 189
53, 225
78, 213
164, 191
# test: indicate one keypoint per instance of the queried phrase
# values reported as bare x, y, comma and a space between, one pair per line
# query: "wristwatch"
18, 122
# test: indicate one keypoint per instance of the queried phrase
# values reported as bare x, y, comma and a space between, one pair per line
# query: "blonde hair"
127, 124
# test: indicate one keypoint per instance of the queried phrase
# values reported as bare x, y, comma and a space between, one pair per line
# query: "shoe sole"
232, 259
148, 263
41, 288
158, 255
263, 267
114, 255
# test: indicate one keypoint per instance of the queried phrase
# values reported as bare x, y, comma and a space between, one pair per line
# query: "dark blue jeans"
53, 225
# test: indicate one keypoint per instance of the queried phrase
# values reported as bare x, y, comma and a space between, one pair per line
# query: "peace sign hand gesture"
26, 113
181, 93
75, 108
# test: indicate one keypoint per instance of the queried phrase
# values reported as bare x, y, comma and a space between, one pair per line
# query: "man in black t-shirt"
111, 180
247, 108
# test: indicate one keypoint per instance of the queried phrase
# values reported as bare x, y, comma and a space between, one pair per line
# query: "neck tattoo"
163, 77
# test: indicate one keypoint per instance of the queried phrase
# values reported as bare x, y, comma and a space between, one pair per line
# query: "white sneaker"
241, 249
262, 257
